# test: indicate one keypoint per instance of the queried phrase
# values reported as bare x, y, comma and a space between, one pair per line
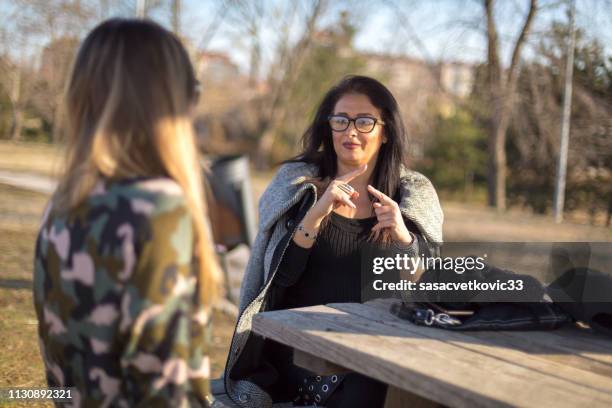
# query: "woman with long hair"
124, 271
349, 189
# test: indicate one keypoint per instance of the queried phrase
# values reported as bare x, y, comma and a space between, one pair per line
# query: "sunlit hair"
127, 105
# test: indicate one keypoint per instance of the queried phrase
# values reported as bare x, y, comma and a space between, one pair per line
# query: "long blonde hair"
128, 105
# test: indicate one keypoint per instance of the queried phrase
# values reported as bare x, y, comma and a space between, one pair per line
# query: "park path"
28, 181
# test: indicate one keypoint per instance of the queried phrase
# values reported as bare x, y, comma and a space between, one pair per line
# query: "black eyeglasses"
363, 124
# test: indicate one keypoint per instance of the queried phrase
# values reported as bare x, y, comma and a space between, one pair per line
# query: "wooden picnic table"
425, 366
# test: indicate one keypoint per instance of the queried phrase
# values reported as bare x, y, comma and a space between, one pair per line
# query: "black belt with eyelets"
316, 390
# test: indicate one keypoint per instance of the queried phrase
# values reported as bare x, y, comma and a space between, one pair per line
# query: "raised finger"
383, 198
348, 202
345, 178
343, 198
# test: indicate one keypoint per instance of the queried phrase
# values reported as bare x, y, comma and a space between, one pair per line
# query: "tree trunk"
502, 85
17, 124
496, 180
176, 17
57, 120
15, 98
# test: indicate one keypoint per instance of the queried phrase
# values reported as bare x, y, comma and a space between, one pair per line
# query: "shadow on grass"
16, 283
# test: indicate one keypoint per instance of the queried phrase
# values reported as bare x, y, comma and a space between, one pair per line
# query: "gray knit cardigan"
418, 203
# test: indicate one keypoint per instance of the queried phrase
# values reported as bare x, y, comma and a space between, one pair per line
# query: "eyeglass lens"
362, 124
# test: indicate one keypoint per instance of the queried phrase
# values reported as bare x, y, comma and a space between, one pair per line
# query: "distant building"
457, 78
406, 74
223, 85
422, 90
216, 67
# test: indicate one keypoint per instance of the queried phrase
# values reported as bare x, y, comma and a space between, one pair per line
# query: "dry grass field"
30, 158
20, 364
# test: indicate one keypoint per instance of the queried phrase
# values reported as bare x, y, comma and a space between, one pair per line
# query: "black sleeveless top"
328, 272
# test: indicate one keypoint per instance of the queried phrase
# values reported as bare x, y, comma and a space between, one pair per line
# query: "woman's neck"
360, 182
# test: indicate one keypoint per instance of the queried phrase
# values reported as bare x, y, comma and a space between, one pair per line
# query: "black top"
328, 272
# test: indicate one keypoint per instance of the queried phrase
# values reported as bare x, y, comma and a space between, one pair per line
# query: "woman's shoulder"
295, 170
123, 203
288, 177
147, 196
152, 187
419, 202
122, 207
415, 179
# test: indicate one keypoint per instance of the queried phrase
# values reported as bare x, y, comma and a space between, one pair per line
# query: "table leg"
399, 398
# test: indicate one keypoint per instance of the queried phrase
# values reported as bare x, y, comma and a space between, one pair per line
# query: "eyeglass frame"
354, 120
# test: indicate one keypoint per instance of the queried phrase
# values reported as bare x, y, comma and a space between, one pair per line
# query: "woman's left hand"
389, 216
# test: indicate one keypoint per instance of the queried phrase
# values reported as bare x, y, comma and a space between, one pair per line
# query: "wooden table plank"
315, 364
432, 368
559, 348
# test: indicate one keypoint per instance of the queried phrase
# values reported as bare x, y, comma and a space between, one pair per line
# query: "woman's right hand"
334, 196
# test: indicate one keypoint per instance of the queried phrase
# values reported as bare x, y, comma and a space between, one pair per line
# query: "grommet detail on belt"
243, 397
334, 378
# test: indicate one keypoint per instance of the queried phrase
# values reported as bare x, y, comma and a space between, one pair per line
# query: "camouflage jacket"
115, 296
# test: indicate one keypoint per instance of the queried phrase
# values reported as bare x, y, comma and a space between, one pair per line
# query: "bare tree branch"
518, 46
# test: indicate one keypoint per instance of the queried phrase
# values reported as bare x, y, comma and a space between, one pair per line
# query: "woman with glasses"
123, 309
350, 187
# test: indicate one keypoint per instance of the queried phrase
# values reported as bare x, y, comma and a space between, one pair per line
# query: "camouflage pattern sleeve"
163, 330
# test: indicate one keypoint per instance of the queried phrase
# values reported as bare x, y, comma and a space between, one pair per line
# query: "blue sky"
446, 29
435, 29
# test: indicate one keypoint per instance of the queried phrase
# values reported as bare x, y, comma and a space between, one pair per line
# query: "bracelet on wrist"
309, 235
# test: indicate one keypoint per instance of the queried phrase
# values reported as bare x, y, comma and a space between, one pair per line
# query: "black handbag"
586, 295
484, 316
475, 310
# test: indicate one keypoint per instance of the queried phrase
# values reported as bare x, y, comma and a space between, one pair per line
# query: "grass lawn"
38, 158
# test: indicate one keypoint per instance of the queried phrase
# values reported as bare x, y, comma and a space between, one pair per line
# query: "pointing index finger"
383, 198
345, 178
